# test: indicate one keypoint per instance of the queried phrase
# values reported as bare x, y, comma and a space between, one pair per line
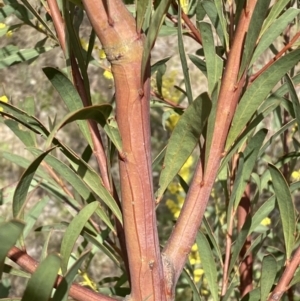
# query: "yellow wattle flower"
266, 221
2, 25
3, 98
102, 54
296, 175
107, 74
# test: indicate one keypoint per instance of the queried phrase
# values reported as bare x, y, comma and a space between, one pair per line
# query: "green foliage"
259, 162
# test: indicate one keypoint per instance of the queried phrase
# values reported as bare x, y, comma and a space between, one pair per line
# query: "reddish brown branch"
287, 276
76, 291
124, 49
246, 265
58, 23
98, 149
276, 57
184, 234
167, 101
194, 31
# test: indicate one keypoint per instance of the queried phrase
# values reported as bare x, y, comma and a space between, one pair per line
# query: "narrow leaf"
183, 60
155, 24
275, 11
268, 275
286, 208
69, 95
273, 32
34, 213
250, 157
208, 263
212, 13
9, 234
40, 285
258, 91
183, 140
214, 63
294, 98
196, 293
73, 231
257, 19
21, 191
141, 9
240, 241
22, 55
62, 289
220, 10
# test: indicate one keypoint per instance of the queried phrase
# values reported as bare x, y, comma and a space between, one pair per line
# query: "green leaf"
24, 135
21, 191
220, 10
240, 241
296, 279
183, 140
22, 117
73, 231
93, 180
183, 60
196, 293
9, 58
16, 272
24, 163
286, 208
40, 285
258, 91
254, 295
208, 263
62, 289
141, 9
256, 22
294, 98
211, 10
69, 95
9, 234
6, 11
155, 24
263, 211
76, 181
250, 156
34, 213
199, 63
99, 113
276, 135
20, 11
214, 63
99, 243
275, 11
158, 64
273, 32
268, 275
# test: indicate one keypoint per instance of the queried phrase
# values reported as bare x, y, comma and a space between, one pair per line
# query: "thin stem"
287, 276
276, 57
184, 234
77, 291
58, 23
246, 265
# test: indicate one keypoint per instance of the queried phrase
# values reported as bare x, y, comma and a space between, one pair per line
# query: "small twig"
283, 283
246, 265
58, 23
76, 291
167, 101
275, 58
194, 31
